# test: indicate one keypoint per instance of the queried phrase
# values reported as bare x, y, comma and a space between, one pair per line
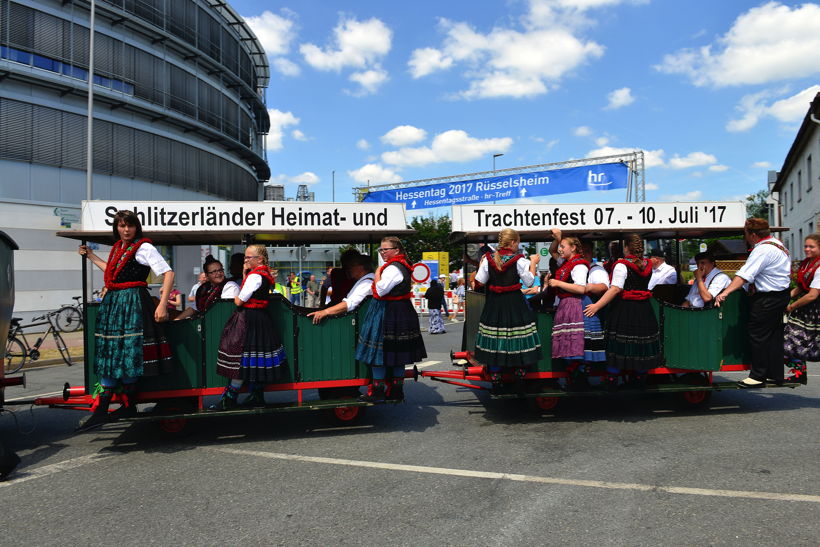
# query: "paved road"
449, 466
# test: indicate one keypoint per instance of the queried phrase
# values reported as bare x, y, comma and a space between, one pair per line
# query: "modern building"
796, 187
179, 114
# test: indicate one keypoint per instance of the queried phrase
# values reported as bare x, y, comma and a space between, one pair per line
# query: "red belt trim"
562, 294
636, 295
505, 288
114, 286
255, 303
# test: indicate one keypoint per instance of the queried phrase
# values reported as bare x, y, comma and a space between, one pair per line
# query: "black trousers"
766, 334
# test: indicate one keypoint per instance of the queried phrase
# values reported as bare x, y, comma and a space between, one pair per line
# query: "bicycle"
18, 352
70, 316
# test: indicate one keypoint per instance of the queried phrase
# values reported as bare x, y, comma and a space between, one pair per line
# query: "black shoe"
396, 392
100, 416
256, 398
125, 411
778, 383
226, 402
376, 395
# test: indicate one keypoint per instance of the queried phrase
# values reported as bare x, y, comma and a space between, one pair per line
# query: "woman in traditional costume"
802, 335
569, 283
632, 339
507, 338
594, 333
215, 287
250, 348
390, 337
129, 342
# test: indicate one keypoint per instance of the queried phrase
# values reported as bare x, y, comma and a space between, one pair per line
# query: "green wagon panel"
692, 339
544, 322
735, 317
282, 315
327, 350
474, 303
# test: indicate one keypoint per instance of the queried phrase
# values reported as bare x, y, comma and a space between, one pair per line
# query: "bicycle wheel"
15, 356
58, 340
69, 319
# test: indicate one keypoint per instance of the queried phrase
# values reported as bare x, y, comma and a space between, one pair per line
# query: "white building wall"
800, 195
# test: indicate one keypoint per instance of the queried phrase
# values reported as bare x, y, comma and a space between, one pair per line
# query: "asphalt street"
449, 466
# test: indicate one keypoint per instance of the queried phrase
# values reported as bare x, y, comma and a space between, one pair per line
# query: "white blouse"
522, 265
148, 255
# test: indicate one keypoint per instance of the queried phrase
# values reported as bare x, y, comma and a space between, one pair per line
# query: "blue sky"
713, 91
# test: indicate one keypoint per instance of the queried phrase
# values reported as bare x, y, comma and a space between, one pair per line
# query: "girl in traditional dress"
250, 348
594, 334
632, 340
390, 337
507, 338
802, 335
215, 287
129, 342
569, 283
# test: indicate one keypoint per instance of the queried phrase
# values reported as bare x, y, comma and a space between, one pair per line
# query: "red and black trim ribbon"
504, 288
772, 241
563, 273
257, 303
805, 273
211, 294
117, 259
636, 295
401, 259
630, 262
504, 265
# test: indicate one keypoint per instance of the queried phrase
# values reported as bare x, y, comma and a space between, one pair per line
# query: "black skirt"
632, 338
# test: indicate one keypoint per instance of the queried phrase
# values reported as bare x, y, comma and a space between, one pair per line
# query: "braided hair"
506, 237
634, 243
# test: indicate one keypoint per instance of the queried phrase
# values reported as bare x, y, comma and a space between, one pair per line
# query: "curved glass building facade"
179, 114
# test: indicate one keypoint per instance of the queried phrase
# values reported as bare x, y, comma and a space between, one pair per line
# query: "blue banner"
606, 176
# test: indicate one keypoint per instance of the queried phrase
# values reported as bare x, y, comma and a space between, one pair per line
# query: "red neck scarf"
258, 303
401, 259
117, 259
565, 270
805, 273
505, 265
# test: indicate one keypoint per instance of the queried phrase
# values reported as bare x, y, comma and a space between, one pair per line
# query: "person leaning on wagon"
390, 337
632, 335
662, 273
359, 268
128, 341
216, 286
802, 334
250, 348
768, 272
709, 282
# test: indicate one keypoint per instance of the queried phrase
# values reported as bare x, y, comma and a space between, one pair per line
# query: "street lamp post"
89, 141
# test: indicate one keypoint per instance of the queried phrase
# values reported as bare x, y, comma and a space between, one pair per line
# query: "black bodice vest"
404, 286
133, 271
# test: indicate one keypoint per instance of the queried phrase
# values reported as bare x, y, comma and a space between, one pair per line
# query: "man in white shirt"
709, 282
203, 278
359, 268
662, 273
768, 272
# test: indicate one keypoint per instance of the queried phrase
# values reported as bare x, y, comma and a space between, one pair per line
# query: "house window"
808, 174
785, 201
791, 196
799, 186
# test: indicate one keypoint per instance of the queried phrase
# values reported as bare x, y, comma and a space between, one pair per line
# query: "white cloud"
694, 195
427, 60
362, 144
768, 43
601, 141
718, 168
651, 158
403, 135
374, 173
761, 165
298, 135
278, 122
308, 177
619, 98
693, 159
454, 145
357, 45
506, 61
651, 186
753, 107
582, 131
275, 33
369, 80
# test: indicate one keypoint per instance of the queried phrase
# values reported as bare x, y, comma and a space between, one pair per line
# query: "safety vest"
296, 285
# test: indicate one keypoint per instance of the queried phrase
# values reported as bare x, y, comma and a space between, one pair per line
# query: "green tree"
432, 234
756, 205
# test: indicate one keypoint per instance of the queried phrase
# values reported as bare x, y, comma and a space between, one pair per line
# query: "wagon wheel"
342, 415
173, 426
694, 399
544, 404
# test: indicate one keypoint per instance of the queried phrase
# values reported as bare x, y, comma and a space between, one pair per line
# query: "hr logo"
595, 179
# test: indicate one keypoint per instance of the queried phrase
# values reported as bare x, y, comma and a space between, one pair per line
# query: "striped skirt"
250, 347
594, 335
390, 335
632, 338
128, 343
507, 335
